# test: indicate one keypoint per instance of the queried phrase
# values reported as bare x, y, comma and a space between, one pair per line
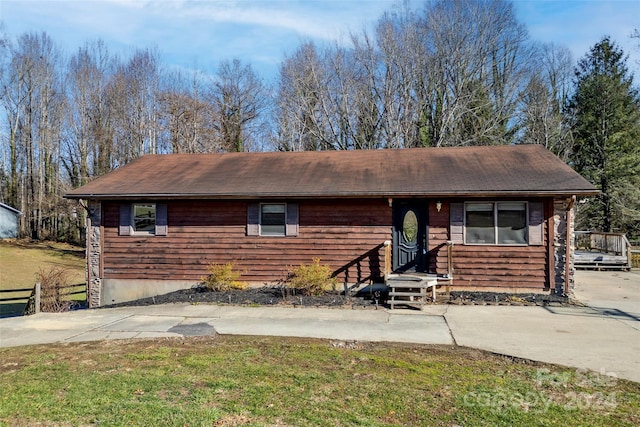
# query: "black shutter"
253, 219
124, 228
536, 223
291, 228
456, 224
161, 219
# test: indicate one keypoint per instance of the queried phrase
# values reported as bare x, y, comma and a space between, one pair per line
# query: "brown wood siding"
484, 266
346, 234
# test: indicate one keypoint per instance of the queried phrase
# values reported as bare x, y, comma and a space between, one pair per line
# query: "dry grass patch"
22, 260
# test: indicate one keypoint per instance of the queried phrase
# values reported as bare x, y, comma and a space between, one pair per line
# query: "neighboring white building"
8, 222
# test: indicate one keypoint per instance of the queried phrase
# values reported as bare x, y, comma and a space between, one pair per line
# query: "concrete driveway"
603, 336
617, 292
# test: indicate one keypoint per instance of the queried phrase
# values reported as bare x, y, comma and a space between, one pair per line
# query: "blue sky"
198, 34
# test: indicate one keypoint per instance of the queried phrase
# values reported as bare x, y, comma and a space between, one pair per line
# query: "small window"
272, 219
502, 223
144, 218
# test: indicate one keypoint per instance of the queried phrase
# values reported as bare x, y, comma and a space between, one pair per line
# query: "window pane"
512, 223
272, 220
272, 230
410, 227
479, 223
144, 218
479, 207
273, 208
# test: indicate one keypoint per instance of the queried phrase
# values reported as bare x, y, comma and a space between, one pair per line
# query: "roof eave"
283, 195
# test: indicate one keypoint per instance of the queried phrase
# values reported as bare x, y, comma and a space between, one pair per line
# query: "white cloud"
260, 32
314, 19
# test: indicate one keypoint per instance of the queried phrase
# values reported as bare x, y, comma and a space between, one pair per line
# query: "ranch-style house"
496, 218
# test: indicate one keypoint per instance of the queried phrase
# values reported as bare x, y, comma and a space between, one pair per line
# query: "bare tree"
88, 136
451, 75
404, 85
342, 102
240, 98
297, 102
478, 54
187, 119
15, 93
368, 108
132, 96
32, 97
541, 113
324, 101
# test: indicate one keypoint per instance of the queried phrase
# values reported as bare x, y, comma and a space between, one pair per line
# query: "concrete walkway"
604, 337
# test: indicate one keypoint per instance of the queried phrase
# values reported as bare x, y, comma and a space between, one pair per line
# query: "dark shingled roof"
523, 170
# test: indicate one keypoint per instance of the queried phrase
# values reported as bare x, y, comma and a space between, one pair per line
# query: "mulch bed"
271, 296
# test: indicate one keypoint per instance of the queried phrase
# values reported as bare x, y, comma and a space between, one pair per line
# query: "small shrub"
312, 279
222, 277
54, 290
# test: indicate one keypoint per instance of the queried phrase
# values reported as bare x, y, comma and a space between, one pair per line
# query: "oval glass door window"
410, 227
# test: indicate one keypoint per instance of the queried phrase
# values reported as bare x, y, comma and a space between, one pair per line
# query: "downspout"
568, 245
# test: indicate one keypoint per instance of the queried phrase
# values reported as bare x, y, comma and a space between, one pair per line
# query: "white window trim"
495, 225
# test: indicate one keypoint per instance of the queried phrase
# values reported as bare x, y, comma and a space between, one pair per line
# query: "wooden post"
37, 298
627, 248
387, 258
551, 240
449, 266
450, 259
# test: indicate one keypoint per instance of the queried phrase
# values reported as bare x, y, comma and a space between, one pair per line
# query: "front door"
410, 236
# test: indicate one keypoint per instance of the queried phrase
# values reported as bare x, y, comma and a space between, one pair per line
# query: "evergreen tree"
605, 113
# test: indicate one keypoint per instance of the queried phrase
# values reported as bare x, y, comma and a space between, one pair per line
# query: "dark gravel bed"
365, 298
495, 298
253, 296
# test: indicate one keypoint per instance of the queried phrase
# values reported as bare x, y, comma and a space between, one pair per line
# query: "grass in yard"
264, 381
20, 260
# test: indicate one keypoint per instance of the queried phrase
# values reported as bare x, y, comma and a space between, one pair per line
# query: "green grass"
21, 260
262, 381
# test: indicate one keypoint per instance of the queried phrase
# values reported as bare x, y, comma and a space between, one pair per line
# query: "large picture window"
502, 223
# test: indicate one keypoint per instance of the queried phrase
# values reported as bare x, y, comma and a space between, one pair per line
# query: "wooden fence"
14, 304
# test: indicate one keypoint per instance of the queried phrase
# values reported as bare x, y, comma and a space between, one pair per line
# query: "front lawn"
264, 381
